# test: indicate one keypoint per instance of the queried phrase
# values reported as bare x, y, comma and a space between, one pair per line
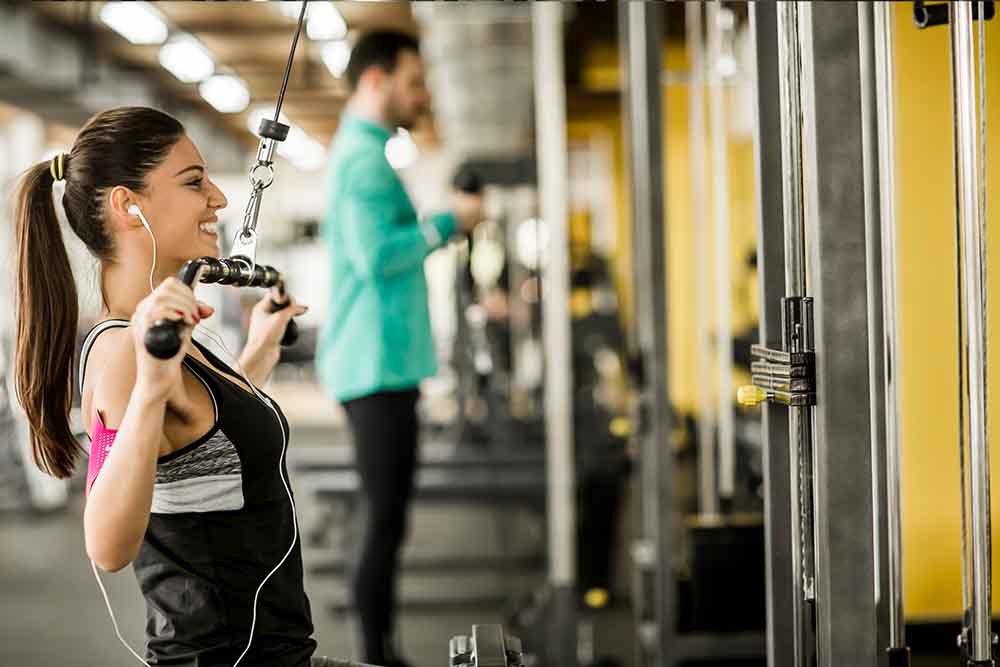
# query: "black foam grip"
291, 334
163, 339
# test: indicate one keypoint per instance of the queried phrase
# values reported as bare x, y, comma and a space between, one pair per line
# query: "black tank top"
220, 522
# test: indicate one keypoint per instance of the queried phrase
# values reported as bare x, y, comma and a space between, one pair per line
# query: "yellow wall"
681, 270
927, 284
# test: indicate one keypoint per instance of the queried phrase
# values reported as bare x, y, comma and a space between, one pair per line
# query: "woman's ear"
120, 199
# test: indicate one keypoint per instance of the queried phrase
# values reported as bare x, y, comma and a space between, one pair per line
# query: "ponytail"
47, 318
116, 147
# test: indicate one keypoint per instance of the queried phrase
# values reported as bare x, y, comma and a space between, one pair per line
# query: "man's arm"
377, 244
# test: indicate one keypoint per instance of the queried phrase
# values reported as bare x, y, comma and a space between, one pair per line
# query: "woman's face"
181, 203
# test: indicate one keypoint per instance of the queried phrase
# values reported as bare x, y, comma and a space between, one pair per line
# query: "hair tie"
56, 167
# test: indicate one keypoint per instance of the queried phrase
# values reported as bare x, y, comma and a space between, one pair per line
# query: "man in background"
376, 346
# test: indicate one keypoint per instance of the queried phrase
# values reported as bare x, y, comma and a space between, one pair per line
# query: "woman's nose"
218, 199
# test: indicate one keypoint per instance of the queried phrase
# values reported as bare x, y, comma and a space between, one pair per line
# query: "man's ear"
372, 78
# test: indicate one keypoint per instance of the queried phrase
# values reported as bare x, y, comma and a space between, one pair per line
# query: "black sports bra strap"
88, 344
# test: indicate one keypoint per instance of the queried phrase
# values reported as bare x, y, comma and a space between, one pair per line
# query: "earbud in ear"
134, 210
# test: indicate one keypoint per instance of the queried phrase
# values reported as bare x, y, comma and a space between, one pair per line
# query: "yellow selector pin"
750, 395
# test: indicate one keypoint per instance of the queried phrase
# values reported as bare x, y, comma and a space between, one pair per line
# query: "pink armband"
100, 445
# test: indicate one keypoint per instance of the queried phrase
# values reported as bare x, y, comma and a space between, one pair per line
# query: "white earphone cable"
284, 481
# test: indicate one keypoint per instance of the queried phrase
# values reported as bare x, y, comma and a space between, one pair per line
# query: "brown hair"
116, 147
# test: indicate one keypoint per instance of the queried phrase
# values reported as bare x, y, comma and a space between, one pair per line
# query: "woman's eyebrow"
197, 167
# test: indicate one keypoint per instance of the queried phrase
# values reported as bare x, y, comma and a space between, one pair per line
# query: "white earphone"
134, 209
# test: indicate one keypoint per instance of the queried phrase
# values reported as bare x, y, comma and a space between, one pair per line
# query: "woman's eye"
196, 184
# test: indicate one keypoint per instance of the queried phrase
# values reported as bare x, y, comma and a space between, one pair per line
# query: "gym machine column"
641, 38
832, 509
553, 187
708, 498
723, 281
778, 475
787, 375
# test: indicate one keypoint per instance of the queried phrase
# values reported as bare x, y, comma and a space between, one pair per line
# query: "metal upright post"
708, 498
723, 280
778, 489
641, 50
553, 186
891, 580
878, 310
834, 200
971, 221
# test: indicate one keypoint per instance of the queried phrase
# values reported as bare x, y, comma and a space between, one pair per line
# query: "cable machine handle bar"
163, 339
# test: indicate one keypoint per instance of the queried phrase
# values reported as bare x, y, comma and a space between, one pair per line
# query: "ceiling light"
336, 55
302, 150
259, 113
290, 8
187, 59
227, 93
135, 21
325, 22
400, 150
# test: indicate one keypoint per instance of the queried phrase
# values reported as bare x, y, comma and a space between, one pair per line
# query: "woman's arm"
119, 502
131, 389
263, 348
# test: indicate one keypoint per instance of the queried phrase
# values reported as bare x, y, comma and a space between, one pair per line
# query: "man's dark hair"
378, 49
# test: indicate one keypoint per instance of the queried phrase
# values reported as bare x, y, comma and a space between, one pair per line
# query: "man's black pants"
384, 427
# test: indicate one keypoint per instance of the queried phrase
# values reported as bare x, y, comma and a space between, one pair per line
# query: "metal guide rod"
885, 108
973, 275
723, 280
876, 314
708, 499
792, 187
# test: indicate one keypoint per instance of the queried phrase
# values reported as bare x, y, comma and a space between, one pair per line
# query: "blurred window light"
226, 93
261, 112
302, 150
727, 66
135, 21
532, 242
325, 22
187, 59
336, 55
727, 19
400, 150
487, 262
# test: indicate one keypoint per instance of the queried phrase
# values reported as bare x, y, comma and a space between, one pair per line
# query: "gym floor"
51, 612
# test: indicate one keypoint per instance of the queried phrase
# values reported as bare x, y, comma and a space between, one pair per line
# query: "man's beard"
399, 119
403, 121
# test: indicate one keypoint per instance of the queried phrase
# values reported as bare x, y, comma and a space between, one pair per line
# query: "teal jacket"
378, 333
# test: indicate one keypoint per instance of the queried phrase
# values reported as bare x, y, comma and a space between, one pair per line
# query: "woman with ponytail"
186, 477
